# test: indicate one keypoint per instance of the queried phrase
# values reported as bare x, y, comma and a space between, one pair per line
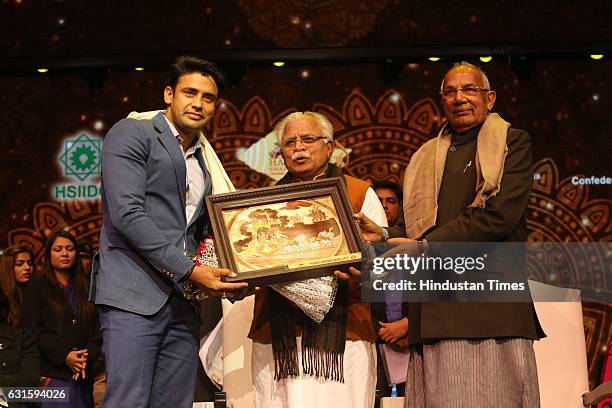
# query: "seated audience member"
16, 269
19, 361
56, 309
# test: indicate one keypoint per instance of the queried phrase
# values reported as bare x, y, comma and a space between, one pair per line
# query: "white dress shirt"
194, 180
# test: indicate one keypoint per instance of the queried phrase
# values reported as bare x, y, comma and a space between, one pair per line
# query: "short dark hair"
186, 64
85, 247
389, 185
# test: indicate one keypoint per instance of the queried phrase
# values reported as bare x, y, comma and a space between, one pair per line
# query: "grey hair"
326, 127
468, 65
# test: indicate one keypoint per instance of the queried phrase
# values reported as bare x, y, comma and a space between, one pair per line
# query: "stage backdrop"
52, 128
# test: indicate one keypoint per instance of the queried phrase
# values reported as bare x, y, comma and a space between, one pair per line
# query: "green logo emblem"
81, 157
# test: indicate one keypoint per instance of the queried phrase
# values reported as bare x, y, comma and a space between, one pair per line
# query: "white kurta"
359, 385
357, 391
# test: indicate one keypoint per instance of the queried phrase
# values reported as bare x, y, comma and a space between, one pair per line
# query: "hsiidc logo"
80, 159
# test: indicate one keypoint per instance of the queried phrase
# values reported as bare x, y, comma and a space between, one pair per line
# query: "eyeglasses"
469, 90
307, 140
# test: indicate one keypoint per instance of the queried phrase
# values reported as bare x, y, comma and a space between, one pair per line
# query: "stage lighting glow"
486, 59
278, 63
139, 69
434, 59
42, 70
596, 56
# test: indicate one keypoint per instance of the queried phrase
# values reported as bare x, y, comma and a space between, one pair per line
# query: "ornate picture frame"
285, 233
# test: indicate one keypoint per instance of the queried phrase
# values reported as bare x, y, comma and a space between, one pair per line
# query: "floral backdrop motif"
382, 134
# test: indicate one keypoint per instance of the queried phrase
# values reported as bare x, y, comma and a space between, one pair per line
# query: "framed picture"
285, 233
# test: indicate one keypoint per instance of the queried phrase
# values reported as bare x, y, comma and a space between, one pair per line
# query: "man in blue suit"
154, 180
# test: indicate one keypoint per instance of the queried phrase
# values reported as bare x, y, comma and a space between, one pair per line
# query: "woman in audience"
19, 361
57, 310
16, 269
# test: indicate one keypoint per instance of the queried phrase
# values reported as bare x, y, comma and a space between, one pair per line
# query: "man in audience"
391, 317
390, 196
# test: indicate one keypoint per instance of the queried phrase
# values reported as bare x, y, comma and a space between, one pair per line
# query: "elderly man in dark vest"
297, 362
470, 184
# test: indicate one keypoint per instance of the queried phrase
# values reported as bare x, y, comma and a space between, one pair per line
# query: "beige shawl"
423, 176
221, 183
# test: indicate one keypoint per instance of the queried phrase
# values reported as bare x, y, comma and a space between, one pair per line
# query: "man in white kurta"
307, 143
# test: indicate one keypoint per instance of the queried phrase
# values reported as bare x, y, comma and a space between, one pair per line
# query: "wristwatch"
423, 245
384, 234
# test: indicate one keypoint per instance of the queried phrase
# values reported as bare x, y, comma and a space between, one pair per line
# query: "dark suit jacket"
56, 339
145, 231
503, 219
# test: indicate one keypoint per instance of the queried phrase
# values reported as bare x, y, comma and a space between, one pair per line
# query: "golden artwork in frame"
285, 233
